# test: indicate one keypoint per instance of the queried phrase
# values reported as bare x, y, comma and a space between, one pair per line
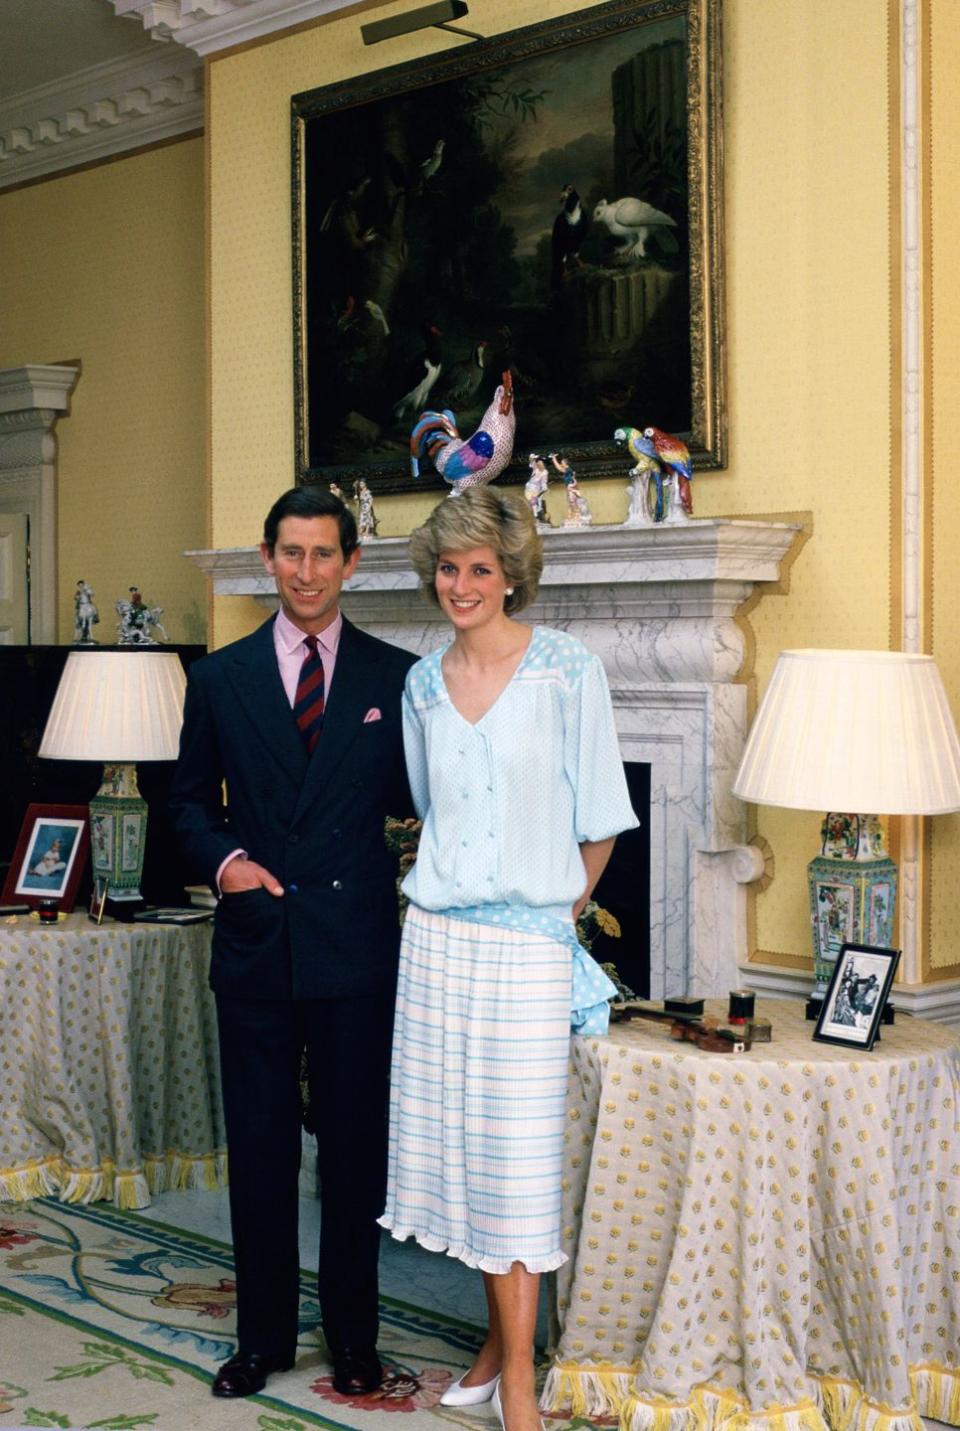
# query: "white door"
14, 579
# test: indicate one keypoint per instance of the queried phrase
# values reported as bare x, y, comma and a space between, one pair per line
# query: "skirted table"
769, 1240
109, 1081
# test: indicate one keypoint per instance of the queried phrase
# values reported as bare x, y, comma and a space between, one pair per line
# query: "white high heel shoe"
498, 1406
460, 1395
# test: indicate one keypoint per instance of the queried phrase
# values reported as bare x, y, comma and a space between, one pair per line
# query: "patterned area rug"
109, 1320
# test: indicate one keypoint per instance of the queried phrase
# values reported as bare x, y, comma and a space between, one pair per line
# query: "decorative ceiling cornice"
99, 112
207, 26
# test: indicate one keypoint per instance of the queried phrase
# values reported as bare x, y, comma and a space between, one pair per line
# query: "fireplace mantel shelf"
704, 550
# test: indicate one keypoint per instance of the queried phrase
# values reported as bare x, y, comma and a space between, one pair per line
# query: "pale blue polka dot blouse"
506, 802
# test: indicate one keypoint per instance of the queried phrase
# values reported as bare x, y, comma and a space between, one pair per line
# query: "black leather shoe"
356, 1371
246, 1373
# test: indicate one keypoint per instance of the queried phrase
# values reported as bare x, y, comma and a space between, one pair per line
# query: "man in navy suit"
306, 735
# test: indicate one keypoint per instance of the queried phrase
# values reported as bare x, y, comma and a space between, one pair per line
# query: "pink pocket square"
372, 714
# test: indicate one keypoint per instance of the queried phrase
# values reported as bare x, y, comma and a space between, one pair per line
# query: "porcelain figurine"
578, 510
648, 499
366, 516
138, 621
85, 616
535, 489
674, 456
472, 461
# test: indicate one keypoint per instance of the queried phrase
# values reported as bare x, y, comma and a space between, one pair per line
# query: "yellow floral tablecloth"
109, 1082
770, 1240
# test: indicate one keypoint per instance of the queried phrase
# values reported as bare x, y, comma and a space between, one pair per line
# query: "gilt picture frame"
546, 203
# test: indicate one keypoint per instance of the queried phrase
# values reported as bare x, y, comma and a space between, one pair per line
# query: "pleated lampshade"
116, 706
853, 731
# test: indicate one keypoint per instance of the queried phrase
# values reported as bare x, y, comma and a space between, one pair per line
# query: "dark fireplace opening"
624, 889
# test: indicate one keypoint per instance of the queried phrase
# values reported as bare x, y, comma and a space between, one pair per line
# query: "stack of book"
201, 896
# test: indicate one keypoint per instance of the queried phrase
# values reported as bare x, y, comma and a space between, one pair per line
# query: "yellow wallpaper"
808, 317
808, 328
944, 309
106, 265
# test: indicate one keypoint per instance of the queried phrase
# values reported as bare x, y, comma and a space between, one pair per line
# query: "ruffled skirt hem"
499, 1266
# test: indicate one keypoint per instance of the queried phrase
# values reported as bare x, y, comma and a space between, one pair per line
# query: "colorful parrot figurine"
644, 454
479, 459
675, 456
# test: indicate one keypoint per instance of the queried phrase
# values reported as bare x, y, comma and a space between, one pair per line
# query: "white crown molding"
98, 112
208, 26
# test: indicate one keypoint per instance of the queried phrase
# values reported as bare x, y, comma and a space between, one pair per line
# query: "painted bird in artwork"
472, 462
675, 456
634, 222
431, 164
463, 379
567, 236
644, 454
422, 373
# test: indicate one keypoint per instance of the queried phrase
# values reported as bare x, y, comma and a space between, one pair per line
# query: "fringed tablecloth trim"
599, 1391
606, 1390
34, 1179
180, 1171
937, 1391
128, 1189
712, 1408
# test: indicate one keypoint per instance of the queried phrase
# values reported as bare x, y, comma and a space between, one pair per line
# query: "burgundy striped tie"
308, 703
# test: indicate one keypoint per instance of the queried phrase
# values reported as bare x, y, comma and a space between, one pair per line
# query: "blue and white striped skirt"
478, 1092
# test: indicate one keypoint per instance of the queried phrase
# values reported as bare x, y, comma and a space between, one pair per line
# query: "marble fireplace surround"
658, 605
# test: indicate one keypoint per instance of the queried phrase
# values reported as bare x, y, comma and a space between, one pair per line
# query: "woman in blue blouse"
516, 773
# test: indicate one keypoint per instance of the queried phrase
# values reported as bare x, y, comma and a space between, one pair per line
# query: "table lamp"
848, 732
119, 707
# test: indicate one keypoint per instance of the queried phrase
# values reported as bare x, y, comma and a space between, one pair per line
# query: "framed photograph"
98, 899
50, 855
857, 994
545, 203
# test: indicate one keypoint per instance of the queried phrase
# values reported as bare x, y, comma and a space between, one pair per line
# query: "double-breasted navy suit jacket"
316, 823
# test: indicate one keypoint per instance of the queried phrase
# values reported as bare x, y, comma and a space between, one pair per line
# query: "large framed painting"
546, 203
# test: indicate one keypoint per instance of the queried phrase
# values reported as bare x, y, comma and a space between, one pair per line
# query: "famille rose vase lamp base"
118, 832
853, 894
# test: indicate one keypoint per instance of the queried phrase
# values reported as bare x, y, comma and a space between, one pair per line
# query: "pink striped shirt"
288, 642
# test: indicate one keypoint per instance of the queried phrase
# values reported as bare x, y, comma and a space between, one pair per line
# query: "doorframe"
32, 398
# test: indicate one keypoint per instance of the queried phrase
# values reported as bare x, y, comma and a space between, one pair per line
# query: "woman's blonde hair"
482, 517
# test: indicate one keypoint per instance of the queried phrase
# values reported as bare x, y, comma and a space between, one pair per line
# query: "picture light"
438, 14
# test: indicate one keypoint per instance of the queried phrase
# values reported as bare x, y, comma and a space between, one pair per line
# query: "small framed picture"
51, 852
98, 899
858, 992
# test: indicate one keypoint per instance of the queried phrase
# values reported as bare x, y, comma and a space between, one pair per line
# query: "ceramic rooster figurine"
675, 457
646, 465
475, 461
